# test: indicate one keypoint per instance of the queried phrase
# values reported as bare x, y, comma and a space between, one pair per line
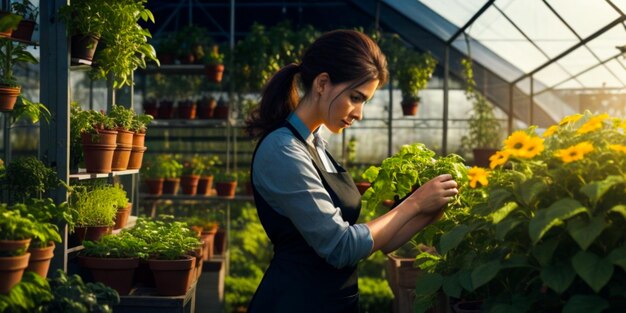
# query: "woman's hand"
432, 196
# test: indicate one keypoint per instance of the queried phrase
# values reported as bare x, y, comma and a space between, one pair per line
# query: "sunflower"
477, 175
515, 143
621, 148
550, 131
570, 119
532, 147
592, 124
574, 153
499, 158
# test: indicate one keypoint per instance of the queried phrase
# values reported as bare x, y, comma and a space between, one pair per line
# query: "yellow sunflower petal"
570, 119
550, 131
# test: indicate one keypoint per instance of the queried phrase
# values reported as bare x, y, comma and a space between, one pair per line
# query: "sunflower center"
518, 146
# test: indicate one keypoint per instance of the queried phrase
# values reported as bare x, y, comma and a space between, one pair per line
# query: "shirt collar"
300, 127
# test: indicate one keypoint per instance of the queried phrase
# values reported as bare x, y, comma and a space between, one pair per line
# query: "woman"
307, 203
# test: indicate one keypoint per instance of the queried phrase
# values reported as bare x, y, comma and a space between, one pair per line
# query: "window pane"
584, 16
620, 4
570, 84
458, 12
552, 75
604, 45
578, 60
599, 77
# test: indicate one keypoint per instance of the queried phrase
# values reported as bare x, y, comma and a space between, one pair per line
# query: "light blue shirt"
286, 178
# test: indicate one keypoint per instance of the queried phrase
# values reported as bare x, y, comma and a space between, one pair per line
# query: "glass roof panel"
578, 60
584, 16
552, 74
620, 4
458, 12
617, 69
570, 84
599, 77
536, 20
494, 31
604, 45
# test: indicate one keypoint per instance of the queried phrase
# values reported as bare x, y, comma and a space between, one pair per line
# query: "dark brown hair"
346, 55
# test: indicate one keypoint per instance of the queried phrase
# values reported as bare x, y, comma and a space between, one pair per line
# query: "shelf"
186, 123
145, 196
81, 175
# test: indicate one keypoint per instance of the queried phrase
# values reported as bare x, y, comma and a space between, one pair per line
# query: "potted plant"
206, 107
225, 183
29, 295
94, 210
26, 27
85, 24
192, 169
113, 259
172, 170
139, 127
153, 174
187, 109
485, 131
361, 182
11, 53
98, 140
221, 110
413, 74
72, 295
214, 65
15, 237
205, 183
166, 48
549, 235
123, 120
122, 205
8, 23
27, 177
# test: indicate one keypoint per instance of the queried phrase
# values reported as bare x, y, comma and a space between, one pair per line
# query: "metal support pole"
390, 116
6, 136
510, 119
532, 100
446, 100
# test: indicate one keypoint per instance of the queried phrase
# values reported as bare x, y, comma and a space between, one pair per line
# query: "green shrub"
375, 295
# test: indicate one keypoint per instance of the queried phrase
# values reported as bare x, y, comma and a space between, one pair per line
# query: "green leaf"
620, 208
422, 304
596, 272
558, 276
531, 189
618, 257
596, 190
451, 286
504, 227
499, 214
553, 216
485, 273
498, 197
428, 284
451, 239
585, 304
544, 251
465, 280
515, 261
585, 232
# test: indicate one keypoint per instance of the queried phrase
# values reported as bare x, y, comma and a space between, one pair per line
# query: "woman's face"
345, 104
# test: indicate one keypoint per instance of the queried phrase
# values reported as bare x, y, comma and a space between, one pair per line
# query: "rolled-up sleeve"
286, 178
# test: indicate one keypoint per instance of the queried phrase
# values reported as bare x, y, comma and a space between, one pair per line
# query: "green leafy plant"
167, 239
9, 21
210, 164
12, 53
163, 166
549, 235
140, 123
42, 212
123, 245
193, 166
27, 177
222, 175
72, 295
28, 110
485, 131
14, 226
122, 117
84, 17
93, 205
26, 9
28, 295
119, 196
214, 57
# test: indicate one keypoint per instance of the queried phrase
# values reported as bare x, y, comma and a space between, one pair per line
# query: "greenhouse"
313, 156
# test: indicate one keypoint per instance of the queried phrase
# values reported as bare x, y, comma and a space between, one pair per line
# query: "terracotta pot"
143, 275
98, 158
121, 157
481, 156
220, 112
8, 97
115, 273
166, 109
25, 30
150, 107
208, 236
139, 139
155, 186
91, 233
205, 184
11, 270
187, 110
102, 136
170, 186
362, 186
11, 246
5, 33
136, 157
124, 137
206, 108
121, 216
219, 243
84, 46
189, 184
172, 277
409, 107
40, 258
214, 73
226, 189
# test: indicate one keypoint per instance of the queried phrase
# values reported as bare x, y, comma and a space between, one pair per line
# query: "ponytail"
278, 99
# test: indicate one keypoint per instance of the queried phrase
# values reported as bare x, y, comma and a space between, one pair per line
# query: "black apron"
298, 279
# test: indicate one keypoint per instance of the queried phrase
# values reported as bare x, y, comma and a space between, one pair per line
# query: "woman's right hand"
431, 197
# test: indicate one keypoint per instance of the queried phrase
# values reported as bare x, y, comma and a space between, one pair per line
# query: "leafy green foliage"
122, 117
375, 295
140, 122
123, 245
27, 110
84, 17
72, 295
163, 166
27, 177
166, 239
27, 296
214, 57
93, 205
26, 9
45, 215
12, 53
14, 226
